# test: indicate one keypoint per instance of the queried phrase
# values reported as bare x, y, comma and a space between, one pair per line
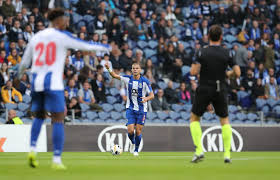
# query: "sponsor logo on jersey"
115, 135
140, 85
212, 140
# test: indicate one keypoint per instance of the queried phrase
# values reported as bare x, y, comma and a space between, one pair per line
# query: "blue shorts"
135, 117
50, 101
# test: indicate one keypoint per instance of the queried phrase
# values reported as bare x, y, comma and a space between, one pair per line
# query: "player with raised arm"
46, 52
136, 105
212, 63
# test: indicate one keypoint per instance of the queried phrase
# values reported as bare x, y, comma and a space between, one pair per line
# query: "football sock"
35, 131
196, 136
58, 138
137, 142
132, 138
227, 135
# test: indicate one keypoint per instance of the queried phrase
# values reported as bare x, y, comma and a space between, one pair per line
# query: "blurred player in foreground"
136, 104
47, 52
211, 64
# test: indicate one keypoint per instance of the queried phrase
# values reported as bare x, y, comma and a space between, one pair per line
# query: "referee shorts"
205, 95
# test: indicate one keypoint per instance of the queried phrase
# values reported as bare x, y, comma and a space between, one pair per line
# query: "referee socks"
227, 136
196, 133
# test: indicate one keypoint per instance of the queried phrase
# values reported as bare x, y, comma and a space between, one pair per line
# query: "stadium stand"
159, 35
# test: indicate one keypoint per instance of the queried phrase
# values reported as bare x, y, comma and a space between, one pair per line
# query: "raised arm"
26, 60
112, 73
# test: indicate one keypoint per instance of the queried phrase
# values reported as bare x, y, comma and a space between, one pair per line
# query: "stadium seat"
252, 117
104, 115
10, 106
111, 99
20, 114
142, 44
187, 107
182, 121
88, 18
26, 121
266, 110
149, 52
176, 85
119, 107
171, 121
84, 107
231, 117
124, 114
230, 38
26, 99
151, 115
114, 91
2, 121
174, 115
232, 109
23, 106
241, 116
116, 115
271, 102
154, 59
91, 115
162, 115
153, 44
162, 85
207, 116
185, 70
260, 103
107, 107
185, 115
177, 107
84, 115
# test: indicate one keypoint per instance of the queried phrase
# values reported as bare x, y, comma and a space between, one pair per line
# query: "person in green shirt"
13, 118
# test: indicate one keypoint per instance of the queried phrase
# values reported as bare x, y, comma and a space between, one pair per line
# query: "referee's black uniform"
214, 61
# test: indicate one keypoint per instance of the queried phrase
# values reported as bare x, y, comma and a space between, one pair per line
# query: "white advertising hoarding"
16, 138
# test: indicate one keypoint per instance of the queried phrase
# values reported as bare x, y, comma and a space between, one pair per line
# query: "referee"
211, 63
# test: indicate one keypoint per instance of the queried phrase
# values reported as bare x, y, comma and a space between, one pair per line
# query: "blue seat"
124, 114
88, 18
176, 85
91, 115
48, 120
26, 121
177, 107
84, 107
154, 59
231, 117
187, 107
76, 17
10, 106
142, 44
232, 109
119, 107
103, 115
185, 70
151, 115
23, 106
114, 91
271, 102
241, 116
116, 115
237, 122
252, 117
2, 120
26, 99
153, 44
20, 114
185, 115
265, 109
162, 115
162, 85
157, 121
111, 99
182, 121
171, 121
84, 114
230, 38
207, 116
260, 103
149, 52
174, 115
107, 107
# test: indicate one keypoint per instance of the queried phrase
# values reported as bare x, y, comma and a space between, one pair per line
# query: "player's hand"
144, 99
107, 66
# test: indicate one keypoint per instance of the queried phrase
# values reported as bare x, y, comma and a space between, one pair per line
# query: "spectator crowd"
162, 35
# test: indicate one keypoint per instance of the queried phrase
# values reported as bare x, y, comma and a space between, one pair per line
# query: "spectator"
269, 61
98, 88
206, 9
4, 74
193, 90
248, 82
169, 58
8, 9
261, 72
100, 24
195, 10
221, 17
16, 32
72, 89
169, 29
74, 106
234, 85
258, 90
255, 32
235, 15
9, 93
184, 95
266, 78
160, 28
149, 29
183, 55
28, 33
14, 58
3, 29
18, 5
170, 94
114, 30
139, 58
272, 89
13, 118
24, 86
126, 60
159, 103
150, 77
78, 61
86, 96
241, 57
106, 72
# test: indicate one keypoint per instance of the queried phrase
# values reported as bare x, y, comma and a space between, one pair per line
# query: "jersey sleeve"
148, 87
125, 79
72, 42
231, 59
26, 59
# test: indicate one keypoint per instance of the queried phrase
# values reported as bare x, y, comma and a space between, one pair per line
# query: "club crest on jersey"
140, 85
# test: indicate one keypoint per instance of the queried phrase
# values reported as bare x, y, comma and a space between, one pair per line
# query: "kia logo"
213, 140
115, 135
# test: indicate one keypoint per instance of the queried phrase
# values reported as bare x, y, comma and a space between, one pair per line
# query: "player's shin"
227, 136
131, 137
196, 133
35, 131
58, 141
137, 142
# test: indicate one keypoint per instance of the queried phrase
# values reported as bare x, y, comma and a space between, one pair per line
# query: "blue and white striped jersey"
135, 90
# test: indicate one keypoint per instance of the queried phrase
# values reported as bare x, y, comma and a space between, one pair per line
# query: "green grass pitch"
149, 165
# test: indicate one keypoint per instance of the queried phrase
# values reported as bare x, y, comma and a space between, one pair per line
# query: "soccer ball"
116, 150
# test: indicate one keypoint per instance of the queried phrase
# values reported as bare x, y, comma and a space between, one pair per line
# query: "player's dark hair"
55, 13
215, 33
